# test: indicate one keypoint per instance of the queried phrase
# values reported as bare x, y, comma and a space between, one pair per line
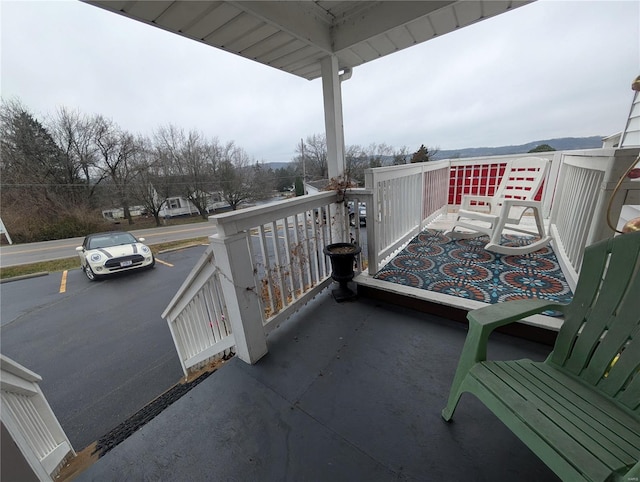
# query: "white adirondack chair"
492, 215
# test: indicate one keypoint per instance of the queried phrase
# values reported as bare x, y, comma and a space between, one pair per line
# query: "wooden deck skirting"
534, 332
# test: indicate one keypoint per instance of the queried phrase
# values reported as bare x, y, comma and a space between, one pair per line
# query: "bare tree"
152, 183
115, 149
377, 154
40, 183
312, 157
193, 162
239, 180
358, 159
356, 162
400, 156
75, 134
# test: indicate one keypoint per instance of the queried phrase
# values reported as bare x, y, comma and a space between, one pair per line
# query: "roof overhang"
293, 36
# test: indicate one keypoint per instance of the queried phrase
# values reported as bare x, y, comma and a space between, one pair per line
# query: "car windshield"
108, 240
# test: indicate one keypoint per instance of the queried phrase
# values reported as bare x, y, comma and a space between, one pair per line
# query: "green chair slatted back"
600, 338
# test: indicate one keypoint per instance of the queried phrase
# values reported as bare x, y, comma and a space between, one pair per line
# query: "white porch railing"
262, 265
403, 200
266, 262
197, 317
31, 425
579, 215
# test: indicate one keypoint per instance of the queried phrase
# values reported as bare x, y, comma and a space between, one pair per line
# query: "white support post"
234, 261
332, 94
372, 222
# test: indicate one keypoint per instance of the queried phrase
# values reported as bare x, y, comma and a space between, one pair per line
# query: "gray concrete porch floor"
348, 392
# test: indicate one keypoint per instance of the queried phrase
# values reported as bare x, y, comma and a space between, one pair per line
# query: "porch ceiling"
294, 36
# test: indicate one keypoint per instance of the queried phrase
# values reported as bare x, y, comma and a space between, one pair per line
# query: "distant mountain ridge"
559, 144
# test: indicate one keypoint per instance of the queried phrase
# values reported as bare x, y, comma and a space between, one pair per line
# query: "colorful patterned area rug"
463, 268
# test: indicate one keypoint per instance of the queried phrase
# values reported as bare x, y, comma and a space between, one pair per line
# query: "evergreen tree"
542, 148
424, 154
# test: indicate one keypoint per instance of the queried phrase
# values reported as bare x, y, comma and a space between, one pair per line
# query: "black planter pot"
342, 256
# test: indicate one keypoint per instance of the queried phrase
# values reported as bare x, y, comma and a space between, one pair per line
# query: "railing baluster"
279, 269
289, 256
297, 254
266, 288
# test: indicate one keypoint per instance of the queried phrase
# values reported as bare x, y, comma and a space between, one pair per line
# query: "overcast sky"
548, 69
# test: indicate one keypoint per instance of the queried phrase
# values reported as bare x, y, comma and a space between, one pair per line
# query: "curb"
178, 248
24, 276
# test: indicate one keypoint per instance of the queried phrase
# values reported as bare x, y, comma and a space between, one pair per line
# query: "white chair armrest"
468, 198
522, 202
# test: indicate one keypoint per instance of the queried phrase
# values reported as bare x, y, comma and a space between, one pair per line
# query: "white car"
107, 253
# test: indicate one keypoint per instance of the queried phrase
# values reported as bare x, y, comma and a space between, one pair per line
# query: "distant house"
180, 206
175, 205
115, 214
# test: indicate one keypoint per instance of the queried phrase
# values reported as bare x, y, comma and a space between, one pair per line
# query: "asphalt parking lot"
102, 348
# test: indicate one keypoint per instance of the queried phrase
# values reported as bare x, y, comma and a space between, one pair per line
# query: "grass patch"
185, 243
74, 261
43, 266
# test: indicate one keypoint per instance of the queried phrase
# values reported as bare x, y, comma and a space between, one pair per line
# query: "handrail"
236, 221
31, 423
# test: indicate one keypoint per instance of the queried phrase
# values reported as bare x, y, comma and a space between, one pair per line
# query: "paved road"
102, 348
18, 254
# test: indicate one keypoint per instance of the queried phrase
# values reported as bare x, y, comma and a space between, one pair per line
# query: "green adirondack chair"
579, 410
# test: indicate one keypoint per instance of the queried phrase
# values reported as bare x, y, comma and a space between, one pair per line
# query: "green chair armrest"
481, 323
634, 473
484, 320
500, 314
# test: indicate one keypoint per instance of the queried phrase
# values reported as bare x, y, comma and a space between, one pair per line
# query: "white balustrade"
31, 424
403, 200
197, 317
585, 185
263, 264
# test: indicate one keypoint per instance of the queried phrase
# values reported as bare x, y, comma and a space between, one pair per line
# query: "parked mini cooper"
107, 253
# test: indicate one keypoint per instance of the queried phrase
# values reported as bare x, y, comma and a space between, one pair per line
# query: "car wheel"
89, 273
153, 263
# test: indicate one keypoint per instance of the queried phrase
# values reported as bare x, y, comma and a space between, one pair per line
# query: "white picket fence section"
30, 422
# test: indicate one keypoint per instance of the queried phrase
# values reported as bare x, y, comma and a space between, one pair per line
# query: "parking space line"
164, 262
63, 282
